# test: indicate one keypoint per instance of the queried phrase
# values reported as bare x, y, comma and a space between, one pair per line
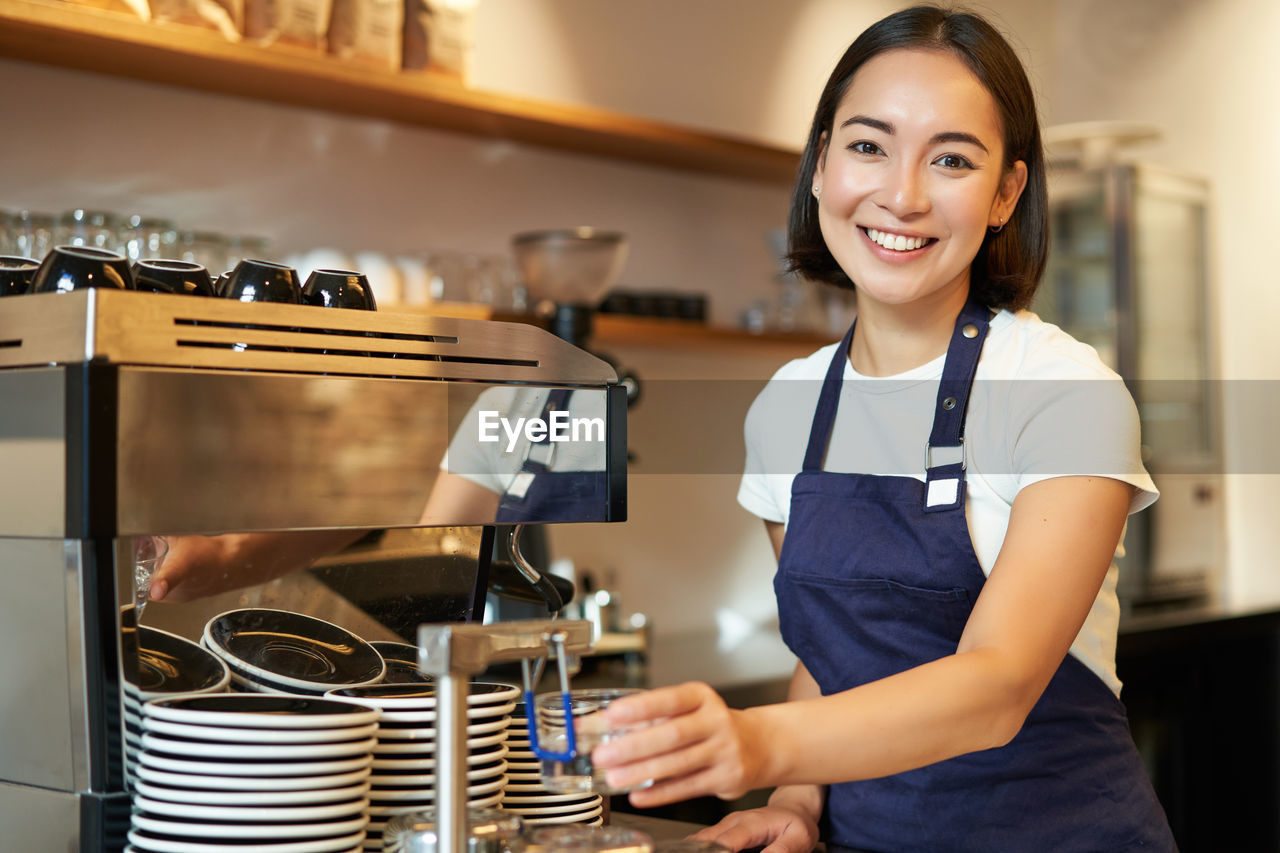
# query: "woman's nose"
905, 192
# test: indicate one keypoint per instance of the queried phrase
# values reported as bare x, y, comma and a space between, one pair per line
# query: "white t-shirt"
1043, 405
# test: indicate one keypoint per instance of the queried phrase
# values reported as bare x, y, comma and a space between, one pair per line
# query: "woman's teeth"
896, 242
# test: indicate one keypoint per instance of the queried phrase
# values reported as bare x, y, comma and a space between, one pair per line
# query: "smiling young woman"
945, 490
907, 184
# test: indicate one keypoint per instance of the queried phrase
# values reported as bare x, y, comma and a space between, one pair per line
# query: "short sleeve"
1080, 422
754, 494
775, 433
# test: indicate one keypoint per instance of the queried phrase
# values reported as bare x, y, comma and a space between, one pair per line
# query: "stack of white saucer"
272, 774
525, 794
404, 759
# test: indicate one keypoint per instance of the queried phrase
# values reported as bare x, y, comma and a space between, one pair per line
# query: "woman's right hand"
775, 828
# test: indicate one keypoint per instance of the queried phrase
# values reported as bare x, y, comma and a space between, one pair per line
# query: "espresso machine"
126, 415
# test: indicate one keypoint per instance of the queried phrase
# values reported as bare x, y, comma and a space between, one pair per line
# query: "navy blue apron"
538, 494
878, 575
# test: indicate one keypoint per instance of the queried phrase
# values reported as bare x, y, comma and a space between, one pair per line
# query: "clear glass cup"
206, 248
93, 228
577, 773
148, 555
8, 236
32, 233
576, 838
241, 247
489, 831
144, 237
448, 275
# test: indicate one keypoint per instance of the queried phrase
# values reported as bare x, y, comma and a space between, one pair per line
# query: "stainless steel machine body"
125, 414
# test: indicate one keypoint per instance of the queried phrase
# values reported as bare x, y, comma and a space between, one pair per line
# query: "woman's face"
911, 176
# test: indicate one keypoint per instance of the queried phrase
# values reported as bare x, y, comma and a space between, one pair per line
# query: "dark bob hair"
1007, 269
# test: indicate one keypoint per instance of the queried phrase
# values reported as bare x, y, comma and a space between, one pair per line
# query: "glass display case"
1127, 274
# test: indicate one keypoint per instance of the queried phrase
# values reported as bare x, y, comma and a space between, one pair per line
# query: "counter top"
722, 662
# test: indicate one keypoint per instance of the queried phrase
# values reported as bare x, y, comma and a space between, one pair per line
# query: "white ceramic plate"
421, 716
201, 797
525, 787
581, 817
427, 780
249, 768
253, 783
252, 814
423, 763
261, 711
258, 831
285, 752
145, 842
535, 800
385, 796
485, 802
561, 810
423, 696
428, 747
273, 736
393, 730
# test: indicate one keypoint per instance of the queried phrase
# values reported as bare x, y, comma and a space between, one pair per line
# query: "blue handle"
548, 755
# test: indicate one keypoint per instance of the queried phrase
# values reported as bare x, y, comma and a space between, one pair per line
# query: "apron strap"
944, 481
825, 414
532, 466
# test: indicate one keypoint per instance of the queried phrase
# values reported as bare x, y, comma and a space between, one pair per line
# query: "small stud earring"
817, 193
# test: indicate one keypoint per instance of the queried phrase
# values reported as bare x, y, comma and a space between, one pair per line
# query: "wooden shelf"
88, 39
619, 329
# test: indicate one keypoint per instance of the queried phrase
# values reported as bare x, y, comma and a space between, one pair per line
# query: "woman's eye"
864, 147
953, 161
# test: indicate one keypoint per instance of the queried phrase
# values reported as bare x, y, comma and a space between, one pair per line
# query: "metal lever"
571, 740
454, 652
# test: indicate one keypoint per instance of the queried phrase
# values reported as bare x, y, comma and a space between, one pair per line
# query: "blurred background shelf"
646, 331
88, 39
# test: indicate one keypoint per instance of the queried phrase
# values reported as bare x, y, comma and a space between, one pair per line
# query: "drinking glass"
205, 248
93, 228
240, 247
143, 237
32, 233
576, 838
573, 771
488, 831
148, 555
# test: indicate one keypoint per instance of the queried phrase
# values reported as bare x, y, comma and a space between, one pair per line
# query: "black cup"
16, 273
220, 286
263, 281
68, 268
163, 276
339, 289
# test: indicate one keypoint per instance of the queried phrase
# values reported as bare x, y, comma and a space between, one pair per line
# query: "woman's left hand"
688, 741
